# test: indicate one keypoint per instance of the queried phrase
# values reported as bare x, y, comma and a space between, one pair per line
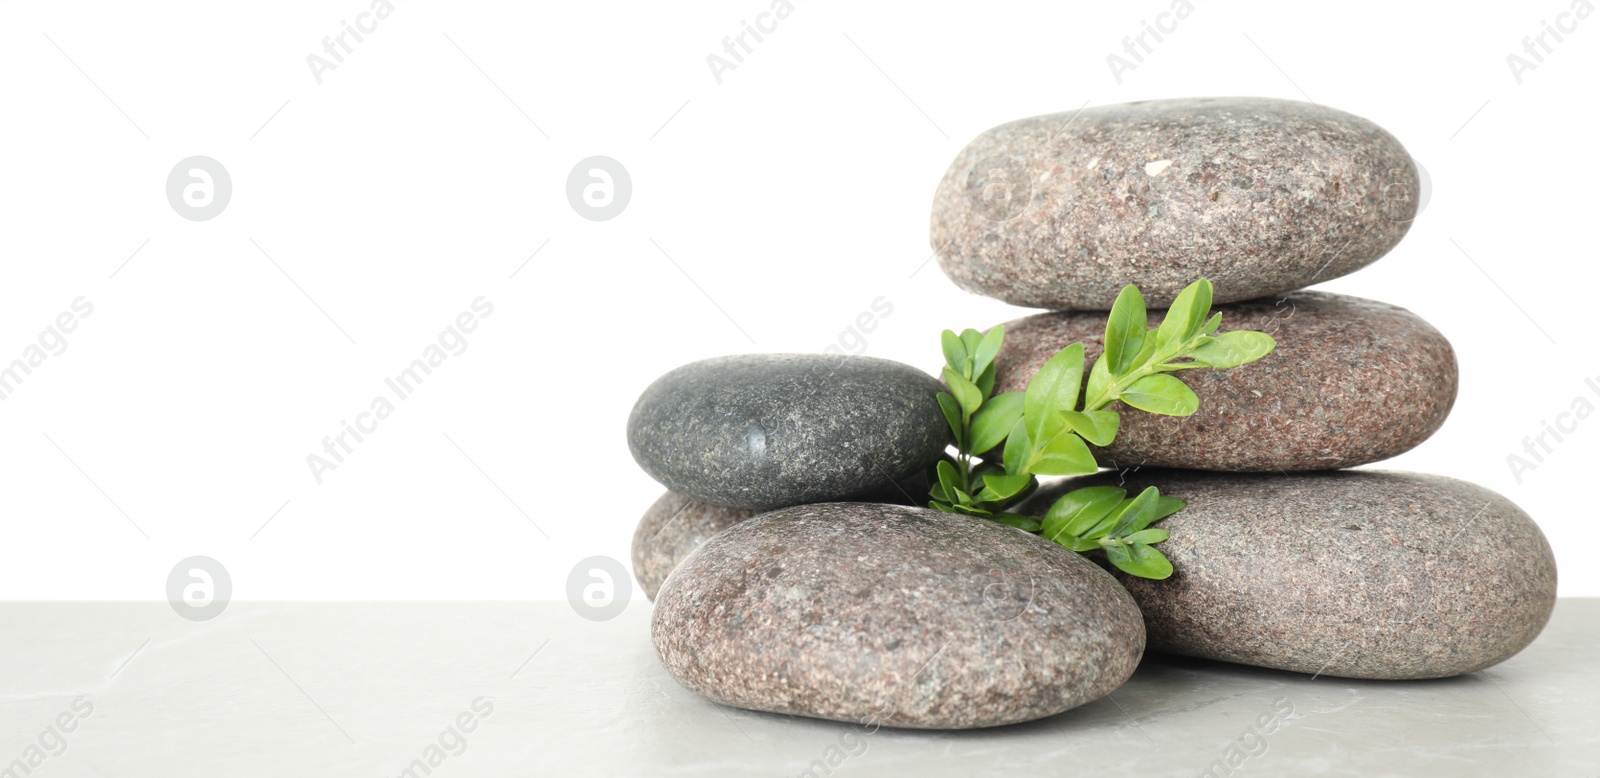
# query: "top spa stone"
764, 431
1261, 196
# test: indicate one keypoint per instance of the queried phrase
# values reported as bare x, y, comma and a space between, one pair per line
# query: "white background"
788, 198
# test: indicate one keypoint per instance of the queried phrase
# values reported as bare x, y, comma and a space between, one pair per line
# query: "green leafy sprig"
1046, 429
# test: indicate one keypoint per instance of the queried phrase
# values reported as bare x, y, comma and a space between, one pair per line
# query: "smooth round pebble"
1261, 196
763, 431
673, 526
1358, 574
1352, 381
893, 615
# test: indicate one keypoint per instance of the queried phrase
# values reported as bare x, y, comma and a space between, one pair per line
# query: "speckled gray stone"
764, 431
675, 525
1261, 196
1351, 381
1359, 574
906, 617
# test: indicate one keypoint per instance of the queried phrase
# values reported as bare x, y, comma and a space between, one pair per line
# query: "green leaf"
1211, 325
1163, 394
994, 420
952, 416
969, 341
1106, 523
955, 353
1232, 349
1186, 316
949, 480
1065, 454
1018, 449
969, 510
967, 394
1099, 380
1140, 560
985, 381
997, 488
1053, 390
1080, 509
1125, 329
987, 468
1166, 506
1018, 520
1148, 352
983, 356
1097, 427
1137, 513
1147, 536
942, 506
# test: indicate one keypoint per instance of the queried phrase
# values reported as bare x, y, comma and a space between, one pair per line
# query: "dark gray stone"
1352, 381
1358, 574
1261, 196
763, 431
894, 615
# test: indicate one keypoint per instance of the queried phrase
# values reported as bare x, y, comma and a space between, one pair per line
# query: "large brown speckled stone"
1261, 196
899, 616
673, 526
1351, 381
1359, 574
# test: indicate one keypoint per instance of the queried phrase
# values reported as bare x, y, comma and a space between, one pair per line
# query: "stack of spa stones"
792, 572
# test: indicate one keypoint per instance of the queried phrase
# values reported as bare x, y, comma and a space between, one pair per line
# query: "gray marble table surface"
502, 689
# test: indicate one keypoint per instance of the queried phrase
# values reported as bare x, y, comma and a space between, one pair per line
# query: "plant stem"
965, 457
1114, 389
